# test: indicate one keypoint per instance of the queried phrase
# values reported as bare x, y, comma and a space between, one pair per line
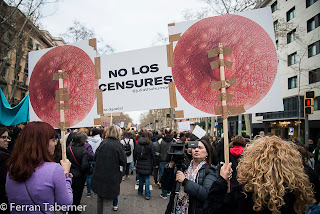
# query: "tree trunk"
248, 124
212, 126
206, 120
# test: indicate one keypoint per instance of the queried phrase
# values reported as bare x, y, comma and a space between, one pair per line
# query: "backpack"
127, 148
143, 153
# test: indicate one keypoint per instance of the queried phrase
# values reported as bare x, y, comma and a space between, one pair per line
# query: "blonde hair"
114, 132
269, 168
84, 130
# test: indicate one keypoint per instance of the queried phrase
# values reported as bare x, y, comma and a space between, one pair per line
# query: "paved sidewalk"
129, 200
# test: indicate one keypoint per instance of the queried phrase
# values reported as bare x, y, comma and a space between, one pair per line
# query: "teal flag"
10, 116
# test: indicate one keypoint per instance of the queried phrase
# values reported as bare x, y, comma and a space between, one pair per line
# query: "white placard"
291, 131
121, 124
272, 100
130, 79
77, 60
199, 132
184, 126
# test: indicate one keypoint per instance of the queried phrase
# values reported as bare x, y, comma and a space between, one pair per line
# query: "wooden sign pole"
62, 120
224, 108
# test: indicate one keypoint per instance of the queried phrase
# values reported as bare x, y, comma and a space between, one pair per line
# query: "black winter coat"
106, 177
144, 165
236, 202
198, 191
79, 163
4, 156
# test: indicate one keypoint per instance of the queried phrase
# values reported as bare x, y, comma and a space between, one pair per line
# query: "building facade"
296, 24
18, 37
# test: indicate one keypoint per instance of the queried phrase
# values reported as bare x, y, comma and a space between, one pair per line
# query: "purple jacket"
47, 186
88, 147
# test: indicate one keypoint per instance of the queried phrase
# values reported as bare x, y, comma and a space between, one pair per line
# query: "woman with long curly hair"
272, 180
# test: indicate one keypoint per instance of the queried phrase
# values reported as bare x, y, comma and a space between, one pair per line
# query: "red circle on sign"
254, 60
80, 82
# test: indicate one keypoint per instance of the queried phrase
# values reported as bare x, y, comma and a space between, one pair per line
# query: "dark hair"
209, 149
3, 129
239, 141
193, 137
96, 131
167, 131
147, 135
79, 139
126, 134
31, 150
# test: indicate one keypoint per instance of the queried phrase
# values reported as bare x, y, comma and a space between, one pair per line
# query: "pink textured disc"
80, 81
254, 60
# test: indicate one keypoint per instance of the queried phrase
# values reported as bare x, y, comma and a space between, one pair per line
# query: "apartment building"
296, 25
18, 36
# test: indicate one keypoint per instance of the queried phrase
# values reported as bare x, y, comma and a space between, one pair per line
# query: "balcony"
23, 86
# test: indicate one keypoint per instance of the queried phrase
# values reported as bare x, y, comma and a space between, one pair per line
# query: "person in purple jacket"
35, 183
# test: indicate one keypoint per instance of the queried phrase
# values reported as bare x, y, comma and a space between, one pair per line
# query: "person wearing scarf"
196, 181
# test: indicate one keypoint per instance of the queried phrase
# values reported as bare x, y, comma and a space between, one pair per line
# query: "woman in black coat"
106, 177
272, 180
143, 154
196, 181
78, 157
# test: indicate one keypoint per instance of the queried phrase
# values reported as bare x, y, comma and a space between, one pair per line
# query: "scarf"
182, 205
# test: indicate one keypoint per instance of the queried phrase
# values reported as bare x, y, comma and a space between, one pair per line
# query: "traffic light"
308, 102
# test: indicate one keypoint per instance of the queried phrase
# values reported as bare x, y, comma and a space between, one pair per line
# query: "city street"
129, 200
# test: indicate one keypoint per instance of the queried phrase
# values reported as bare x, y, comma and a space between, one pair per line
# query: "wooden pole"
62, 120
110, 119
224, 111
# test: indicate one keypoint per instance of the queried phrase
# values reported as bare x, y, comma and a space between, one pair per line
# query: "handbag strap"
74, 156
31, 198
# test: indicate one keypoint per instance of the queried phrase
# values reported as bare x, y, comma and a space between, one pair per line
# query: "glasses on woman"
56, 140
6, 137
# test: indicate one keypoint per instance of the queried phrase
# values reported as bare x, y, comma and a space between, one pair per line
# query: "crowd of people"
265, 174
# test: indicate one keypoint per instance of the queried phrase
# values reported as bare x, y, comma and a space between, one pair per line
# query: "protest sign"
250, 34
199, 132
184, 126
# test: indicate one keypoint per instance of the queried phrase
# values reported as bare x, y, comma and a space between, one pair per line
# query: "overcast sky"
124, 24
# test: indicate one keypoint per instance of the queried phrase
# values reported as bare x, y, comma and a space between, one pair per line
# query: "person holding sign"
33, 178
272, 180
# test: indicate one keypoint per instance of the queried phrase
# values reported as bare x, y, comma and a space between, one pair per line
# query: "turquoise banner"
10, 116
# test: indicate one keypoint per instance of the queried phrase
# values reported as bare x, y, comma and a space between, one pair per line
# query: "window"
314, 49
314, 76
291, 36
26, 67
4, 70
310, 2
316, 104
275, 25
292, 82
313, 23
292, 59
38, 47
274, 6
30, 43
277, 46
9, 36
291, 14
